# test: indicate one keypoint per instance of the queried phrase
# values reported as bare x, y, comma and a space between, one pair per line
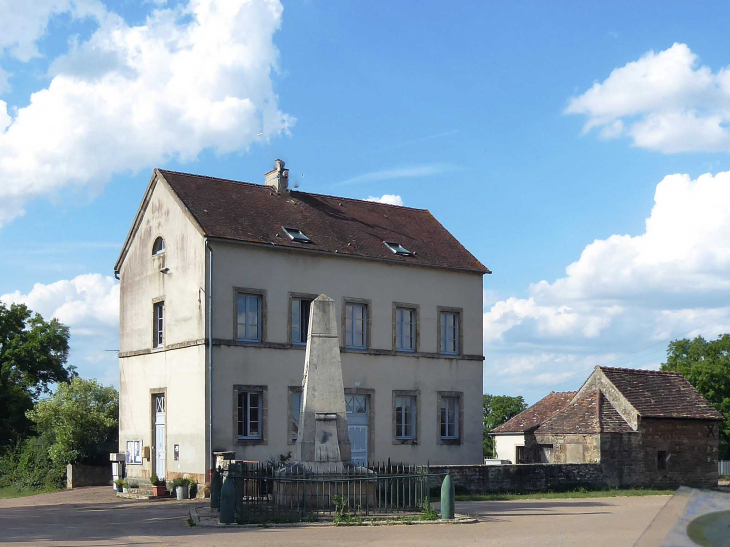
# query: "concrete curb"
458, 519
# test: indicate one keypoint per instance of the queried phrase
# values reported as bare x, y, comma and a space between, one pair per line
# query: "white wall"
506, 446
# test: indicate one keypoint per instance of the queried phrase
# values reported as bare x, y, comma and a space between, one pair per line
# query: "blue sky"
477, 111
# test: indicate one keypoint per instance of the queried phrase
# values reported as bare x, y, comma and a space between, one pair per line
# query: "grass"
8, 492
581, 493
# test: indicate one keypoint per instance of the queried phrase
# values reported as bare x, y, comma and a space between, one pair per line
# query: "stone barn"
646, 428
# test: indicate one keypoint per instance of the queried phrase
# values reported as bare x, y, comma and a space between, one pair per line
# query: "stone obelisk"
322, 441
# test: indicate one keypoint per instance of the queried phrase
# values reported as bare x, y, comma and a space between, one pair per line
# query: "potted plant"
159, 487
119, 484
133, 486
125, 486
181, 486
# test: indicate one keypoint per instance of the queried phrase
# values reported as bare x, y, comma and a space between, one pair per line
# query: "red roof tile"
592, 413
255, 213
660, 394
537, 414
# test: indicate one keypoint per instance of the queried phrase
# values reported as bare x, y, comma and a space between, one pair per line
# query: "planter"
118, 489
159, 491
125, 490
182, 493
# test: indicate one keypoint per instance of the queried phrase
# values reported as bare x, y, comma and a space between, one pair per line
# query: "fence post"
447, 498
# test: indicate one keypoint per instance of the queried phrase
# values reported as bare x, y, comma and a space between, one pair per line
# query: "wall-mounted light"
165, 270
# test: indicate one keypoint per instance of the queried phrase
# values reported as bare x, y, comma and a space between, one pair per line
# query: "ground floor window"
295, 398
449, 417
545, 452
134, 452
405, 417
249, 415
520, 454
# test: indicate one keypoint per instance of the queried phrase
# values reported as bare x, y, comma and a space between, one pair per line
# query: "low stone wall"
87, 475
475, 479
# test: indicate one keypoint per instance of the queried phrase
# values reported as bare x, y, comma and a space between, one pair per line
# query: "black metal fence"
267, 492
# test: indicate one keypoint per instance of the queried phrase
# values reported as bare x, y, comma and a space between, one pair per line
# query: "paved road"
94, 516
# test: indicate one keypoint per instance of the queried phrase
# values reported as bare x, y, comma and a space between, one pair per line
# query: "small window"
159, 325
546, 453
521, 454
405, 417
158, 247
249, 415
405, 329
296, 235
661, 460
249, 317
449, 417
397, 248
134, 452
356, 326
300, 320
296, 409
449, 333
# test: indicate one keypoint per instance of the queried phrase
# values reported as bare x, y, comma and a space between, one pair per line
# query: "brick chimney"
278, 178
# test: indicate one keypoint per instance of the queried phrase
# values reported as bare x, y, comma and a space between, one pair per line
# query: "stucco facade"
198, 278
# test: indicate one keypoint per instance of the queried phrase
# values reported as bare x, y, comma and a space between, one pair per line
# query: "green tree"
33, 355
497, 409
82, 418
706, 364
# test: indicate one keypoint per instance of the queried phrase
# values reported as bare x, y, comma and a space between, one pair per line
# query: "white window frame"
403, 423
134, 452
449, 417
351, 332
296, 321
243, 327
158, 324
400, 327
449, 328
244, 417
161, 250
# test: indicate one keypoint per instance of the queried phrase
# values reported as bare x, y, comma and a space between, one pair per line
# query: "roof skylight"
296, 235
397, 248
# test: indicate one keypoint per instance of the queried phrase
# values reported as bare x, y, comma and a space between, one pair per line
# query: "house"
645, 428
217, 277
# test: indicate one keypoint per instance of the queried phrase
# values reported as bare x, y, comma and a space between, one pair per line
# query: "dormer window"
296, 235
159, 247
397, 248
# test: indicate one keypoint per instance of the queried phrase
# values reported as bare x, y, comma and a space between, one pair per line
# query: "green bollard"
228, 501
447, 498
215, 489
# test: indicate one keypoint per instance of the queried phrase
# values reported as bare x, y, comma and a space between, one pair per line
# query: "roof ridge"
291, 191
641, 370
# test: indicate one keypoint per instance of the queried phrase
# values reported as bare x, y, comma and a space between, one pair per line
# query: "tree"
706, 365
497, 409
33, 355
81, 417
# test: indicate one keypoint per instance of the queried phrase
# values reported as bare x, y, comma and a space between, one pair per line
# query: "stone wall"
521, 478
570, 448
88, 475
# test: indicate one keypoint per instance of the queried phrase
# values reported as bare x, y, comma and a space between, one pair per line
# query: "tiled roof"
537, 414
255, 213
660, 394
592, 413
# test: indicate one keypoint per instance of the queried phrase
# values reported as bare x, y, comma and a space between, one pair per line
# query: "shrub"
28, 465
156, 481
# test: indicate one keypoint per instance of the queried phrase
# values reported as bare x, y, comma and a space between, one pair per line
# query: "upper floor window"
158, 339
158, 247
295, 234
405, 329
397, 248
300, 320
449, 324
248, 312
356, 325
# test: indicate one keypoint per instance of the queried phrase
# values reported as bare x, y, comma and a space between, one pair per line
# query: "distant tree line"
49, 417
497, 409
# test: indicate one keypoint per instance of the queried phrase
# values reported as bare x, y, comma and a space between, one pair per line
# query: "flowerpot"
125, 490
118, 489
159, 491
181, 492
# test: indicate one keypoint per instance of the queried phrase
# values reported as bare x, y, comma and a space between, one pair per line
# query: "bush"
181, 482
156, 481
28, 465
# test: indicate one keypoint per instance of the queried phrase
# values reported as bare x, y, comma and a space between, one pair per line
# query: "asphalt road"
94, 516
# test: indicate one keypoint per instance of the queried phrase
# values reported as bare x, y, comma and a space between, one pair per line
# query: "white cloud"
663, 101
390, 199
625, 293
190, 78
400, 173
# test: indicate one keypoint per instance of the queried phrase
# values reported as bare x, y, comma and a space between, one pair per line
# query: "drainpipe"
210, 357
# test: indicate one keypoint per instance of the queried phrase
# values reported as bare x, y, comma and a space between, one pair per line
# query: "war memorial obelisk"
322, 441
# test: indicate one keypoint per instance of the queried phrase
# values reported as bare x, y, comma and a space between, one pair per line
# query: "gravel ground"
95, 516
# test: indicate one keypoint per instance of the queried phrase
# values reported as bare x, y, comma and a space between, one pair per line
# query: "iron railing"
270, 492
723, 467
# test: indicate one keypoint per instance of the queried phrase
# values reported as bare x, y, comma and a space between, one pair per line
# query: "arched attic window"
159, 247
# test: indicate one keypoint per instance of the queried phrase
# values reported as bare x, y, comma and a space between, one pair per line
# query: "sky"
580, 150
